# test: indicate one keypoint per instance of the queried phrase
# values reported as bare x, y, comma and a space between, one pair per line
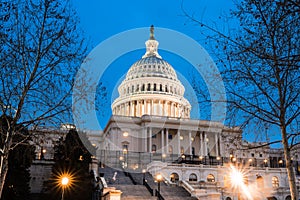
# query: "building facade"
151, 129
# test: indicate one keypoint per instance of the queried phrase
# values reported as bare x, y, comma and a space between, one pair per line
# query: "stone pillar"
178, 142
190, 143
201, 144
145, 139
150, 139
162, 141
205, 144
221, 144
216, 144
167, 141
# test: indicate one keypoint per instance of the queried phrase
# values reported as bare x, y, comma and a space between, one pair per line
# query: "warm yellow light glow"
233, 159
218, 158
44, 150
144, 171
158, 177
65, 181
250, 159
125, 134
121, 158
164, 155
181, 137
237, 181
200, 157
183, 156
236, 177
280, 161
265, 160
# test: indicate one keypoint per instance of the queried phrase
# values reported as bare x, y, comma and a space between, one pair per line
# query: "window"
252, 154
154, 136
210, 178
260, 181
193, 177
153, 148
154, 89
143, 87
174, 177
275, 182
170, 136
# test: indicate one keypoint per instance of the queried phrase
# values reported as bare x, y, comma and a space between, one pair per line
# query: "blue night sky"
104, 19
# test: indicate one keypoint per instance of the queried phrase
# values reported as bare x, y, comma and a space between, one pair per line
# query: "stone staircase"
134, 192
132, 188
175, 193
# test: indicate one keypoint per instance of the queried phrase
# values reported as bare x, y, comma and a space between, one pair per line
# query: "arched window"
275, 182
210, 178
174, 177
193, 177
143, 87
288, 197
272, 198
153, 148
260, 181
228, 198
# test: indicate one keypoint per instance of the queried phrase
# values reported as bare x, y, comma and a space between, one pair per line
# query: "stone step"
133, 191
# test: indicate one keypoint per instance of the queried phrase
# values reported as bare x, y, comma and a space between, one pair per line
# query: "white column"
221, 145
138, 113
152, 108
216, 142
205, 144
150, 139
145, 139
167, 141
190, 143
178, 142
162, 141
201, 144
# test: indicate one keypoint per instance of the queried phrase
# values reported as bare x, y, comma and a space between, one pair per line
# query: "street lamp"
144, 174
64, 183
158, 179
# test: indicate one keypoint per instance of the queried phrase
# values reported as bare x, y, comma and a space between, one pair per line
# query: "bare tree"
260, 64
41, 50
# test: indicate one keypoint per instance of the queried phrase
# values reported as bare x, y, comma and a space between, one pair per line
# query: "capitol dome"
151, 87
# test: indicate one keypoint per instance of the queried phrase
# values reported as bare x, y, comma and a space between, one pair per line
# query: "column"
205, 144
167, 141
190, 143
162, 141
221, 146
201, 144
138, 110
150, 139
145, 138
217, 146
178, 142
152, 108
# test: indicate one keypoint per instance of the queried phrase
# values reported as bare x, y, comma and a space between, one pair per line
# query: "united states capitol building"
151, 131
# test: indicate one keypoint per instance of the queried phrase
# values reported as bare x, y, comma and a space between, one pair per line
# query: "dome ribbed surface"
151, 67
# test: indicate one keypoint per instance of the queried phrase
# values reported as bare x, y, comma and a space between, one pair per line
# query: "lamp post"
64, 183
144, 173
158, 179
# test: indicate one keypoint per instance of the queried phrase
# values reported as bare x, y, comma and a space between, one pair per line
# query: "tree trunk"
289, 167
3, 172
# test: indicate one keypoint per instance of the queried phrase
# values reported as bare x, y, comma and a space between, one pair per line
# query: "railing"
159, 196
148, 187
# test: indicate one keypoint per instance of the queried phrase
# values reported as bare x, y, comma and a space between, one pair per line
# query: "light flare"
238, 180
